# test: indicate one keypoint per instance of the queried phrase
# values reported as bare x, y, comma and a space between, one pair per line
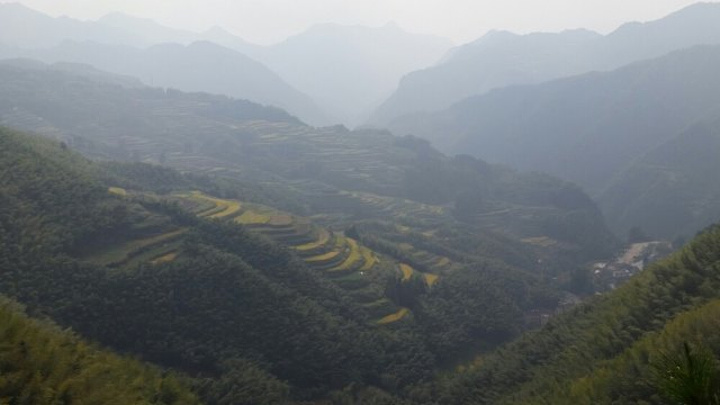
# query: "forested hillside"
605, 351
42, 364
585, 128
184, 244
95, 262
596, 130
330, 169
200, 66
366, 292
137, 271
177, 226
673, 190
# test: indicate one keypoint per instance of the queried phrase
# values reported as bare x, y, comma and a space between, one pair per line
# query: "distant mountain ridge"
26, 28
198, 67
590, 129
349, 70
346, 70
244, 140
501, 59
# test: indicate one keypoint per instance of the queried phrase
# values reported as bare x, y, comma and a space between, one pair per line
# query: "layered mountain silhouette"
501, 59
588, 129
23, 27
349, 70
198, 67
346, 70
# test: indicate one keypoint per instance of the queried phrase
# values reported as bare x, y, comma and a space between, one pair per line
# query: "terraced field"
153, 249
166, 258
323, 237
215, 207
394, 317
350, 265
431, 279
399, 207
121, 192
252, 218
407, 272
424, 217
370, 259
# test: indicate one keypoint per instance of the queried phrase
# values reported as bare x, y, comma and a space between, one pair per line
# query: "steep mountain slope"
42, 364
671, 191
496, 60
446, 232
347, 70
279, 150
100, 264
201, 66
501, 59
240, 313
603, 351
587, 129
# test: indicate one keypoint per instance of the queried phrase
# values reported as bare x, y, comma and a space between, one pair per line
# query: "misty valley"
358, 215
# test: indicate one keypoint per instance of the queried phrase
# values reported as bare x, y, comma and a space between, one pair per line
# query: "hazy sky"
266, 21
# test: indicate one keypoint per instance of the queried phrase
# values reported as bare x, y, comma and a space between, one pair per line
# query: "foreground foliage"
42, 364
603, 352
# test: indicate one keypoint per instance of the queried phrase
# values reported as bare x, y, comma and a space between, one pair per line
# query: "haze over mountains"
501, 59
587, 129
345, 71
190, 201
350, 70
200, 66
211, 266
671, 190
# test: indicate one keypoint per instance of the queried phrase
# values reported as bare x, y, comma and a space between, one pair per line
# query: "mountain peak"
217, 30
19, 10
700, 7
392, 25
494, 36
702, 11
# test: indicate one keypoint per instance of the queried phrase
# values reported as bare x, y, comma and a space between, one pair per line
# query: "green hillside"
323, 167
42, 364
604, 351
311, 263
176, 245
269, 262
612, 133
673, 190
102, 266
236, 293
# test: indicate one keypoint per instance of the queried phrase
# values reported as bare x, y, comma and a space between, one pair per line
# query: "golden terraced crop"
394, 317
